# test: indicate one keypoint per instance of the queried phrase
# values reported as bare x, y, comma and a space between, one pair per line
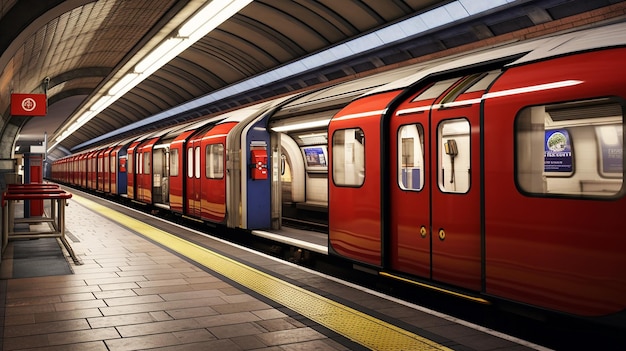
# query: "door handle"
423, 231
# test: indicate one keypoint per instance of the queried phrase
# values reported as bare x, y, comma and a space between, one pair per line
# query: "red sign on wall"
28, 105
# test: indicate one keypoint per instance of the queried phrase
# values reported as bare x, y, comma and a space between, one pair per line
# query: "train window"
130, 163
138, 169
190, 163
411, 157
573, 148
454, 155
146, 162
174, 162
349, 157
215, 161
196, 169
484, 81
113, 165
435, 90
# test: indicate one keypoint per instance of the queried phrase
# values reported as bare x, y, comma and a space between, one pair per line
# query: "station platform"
143, 283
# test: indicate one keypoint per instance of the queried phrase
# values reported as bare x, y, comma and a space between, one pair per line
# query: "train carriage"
504, 181
554, 183
106, 168
118, 176
92, 169
135, 165
182, 164
81, 162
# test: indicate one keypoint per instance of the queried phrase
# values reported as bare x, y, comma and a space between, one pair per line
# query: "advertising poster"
558, 151
315, 157
612, 146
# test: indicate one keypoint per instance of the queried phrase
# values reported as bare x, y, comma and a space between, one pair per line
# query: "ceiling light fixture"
196, 27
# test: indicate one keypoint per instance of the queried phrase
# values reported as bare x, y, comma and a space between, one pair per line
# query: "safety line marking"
352, 324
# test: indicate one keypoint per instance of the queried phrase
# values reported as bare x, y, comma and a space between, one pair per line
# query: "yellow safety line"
353, 324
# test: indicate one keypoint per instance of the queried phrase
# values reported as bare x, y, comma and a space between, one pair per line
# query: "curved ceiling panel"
264, 35
82, 45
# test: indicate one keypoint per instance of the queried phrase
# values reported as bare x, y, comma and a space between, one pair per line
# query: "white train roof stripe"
533, 50
361, 115
533, 88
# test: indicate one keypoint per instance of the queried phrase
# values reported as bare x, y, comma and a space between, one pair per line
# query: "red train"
498, 173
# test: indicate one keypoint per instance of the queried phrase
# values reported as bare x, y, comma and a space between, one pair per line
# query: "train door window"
196, 167
146, 162
436, 89
139, 165
411, 157
453, 159
349, 157
113, 165
190, 162
215, 161
130, 163
573, 148
174, 162
483, 81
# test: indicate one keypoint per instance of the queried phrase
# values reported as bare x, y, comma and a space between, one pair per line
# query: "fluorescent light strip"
411, 27
122, 83
195, 27
495, 94
303, 125
159, 56
362, 115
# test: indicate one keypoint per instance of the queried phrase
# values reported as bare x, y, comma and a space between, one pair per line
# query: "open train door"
435, 189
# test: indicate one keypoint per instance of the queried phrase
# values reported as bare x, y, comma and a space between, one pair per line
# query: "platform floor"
141, 288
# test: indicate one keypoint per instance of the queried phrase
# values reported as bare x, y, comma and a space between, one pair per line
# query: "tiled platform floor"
131, 294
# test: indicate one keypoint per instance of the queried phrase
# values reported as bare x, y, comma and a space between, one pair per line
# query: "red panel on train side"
193, 177
435, 225
106, 186
456, 212
92, 170
213, 177
558, 252
131, 166
82, 170
409, 215
100, 170
144, 178
177, 176
354, 212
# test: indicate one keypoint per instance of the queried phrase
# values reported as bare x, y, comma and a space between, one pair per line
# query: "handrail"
36, 191
37, 195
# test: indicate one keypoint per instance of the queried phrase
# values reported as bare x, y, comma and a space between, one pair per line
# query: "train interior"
571, 148
302, 126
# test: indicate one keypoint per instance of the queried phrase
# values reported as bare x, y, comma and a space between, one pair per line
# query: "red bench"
37, 191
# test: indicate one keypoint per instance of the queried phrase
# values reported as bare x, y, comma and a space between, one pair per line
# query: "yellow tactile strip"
353, 324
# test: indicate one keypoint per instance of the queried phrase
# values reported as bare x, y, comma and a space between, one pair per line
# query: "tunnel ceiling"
70, 49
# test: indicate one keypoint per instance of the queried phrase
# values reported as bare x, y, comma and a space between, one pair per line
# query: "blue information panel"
611, 146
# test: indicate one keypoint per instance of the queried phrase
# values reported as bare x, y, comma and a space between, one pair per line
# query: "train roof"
585, 40
340, 94
520, 52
